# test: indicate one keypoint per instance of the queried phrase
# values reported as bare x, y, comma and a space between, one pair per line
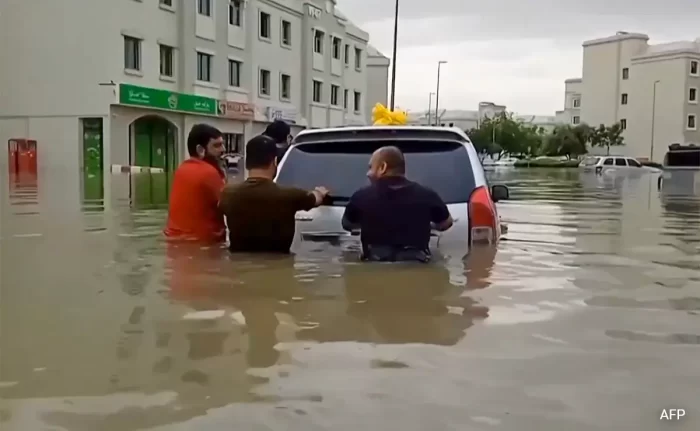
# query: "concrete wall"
273, 56
572, 101
355, 78
603, 83
668, 120
377, 81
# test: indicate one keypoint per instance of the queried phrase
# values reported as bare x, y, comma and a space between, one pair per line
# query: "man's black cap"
278, 130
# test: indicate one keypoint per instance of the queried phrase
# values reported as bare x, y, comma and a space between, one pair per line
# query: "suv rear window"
342, 167
590, 161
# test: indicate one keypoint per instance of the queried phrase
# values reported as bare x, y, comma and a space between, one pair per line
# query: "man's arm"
439, 213
351, 216
213, 188
303, 200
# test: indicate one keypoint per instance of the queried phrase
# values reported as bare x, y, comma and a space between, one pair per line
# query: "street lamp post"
393, 55
653, 120
430, 109
437, 94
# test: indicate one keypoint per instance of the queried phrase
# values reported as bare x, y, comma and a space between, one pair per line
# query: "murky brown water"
586, 317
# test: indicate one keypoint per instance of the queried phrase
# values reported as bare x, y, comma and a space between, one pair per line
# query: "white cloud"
510, 52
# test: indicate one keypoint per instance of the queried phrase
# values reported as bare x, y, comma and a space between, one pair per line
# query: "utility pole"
653, 120
437, 94
393, 55
430, 109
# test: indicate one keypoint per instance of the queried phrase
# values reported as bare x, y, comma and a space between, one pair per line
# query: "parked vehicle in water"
681, 171
616, 164
441, 158
232, 160
507, 162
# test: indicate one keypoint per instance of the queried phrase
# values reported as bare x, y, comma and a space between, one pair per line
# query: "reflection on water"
591, 299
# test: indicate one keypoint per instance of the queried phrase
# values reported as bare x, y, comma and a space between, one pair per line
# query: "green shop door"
92, 144
159, 137
154, 143
142, 142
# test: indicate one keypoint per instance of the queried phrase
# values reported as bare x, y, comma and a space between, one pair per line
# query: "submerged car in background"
681, 175
232, 161
443, 159
615, 164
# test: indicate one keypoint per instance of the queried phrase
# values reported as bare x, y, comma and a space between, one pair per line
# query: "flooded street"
586, 317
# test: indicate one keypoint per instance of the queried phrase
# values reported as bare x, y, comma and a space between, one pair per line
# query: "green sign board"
167, 100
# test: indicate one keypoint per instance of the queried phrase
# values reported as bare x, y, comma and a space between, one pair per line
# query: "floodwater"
586, 317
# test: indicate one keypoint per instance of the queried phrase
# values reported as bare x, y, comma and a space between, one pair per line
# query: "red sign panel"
236, 110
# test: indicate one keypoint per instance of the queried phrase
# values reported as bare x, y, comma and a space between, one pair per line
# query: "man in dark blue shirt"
395, 215
281, 133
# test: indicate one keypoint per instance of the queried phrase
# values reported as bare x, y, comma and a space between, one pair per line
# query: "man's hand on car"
320, 192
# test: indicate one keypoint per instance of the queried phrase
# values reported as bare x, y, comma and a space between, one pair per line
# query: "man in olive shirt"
259, 213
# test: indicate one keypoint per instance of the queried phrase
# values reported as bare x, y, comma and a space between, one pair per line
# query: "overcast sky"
512, 52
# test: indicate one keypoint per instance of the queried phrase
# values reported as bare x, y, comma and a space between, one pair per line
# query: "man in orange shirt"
197, 184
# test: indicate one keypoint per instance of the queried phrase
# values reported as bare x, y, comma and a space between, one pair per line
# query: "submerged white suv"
437, 157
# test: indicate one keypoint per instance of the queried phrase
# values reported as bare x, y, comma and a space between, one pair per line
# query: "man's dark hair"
394, 159
278, 130
201, 134
260, 152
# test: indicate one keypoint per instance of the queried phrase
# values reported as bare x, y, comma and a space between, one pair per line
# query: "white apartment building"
572, 102
651, 90
108, 82
466, 120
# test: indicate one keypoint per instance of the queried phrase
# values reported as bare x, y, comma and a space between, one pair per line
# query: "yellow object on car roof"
382, 116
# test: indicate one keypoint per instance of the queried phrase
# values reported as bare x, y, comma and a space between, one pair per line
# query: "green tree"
504, 135
607, 136
566, 141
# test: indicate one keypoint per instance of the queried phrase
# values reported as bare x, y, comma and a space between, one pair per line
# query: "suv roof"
388, 132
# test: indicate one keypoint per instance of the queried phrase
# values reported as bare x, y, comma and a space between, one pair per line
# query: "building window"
691, 125
234, 12
693, 95
345, 99
204, 67
623, 124
234, 73
335, 93
264, 25
318, 91
576, 103
575, 119
285, 87
625, 73
264, 82
358, 102
166, 61
204, 7
623, 99
337, 44
347, 54
318, 41
358, 58
286, 33
168, 3
694, 70
132, 53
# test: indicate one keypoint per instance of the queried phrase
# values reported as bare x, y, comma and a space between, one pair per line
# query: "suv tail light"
483, 217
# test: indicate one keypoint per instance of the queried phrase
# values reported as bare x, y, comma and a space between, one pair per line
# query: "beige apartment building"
96, 93
651, 90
